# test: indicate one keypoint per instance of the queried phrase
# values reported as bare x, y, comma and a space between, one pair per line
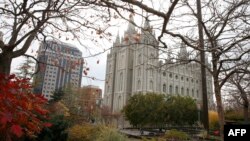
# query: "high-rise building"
60, 64
133, 66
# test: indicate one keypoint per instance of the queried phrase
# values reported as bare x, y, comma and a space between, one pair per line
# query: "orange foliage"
213, 119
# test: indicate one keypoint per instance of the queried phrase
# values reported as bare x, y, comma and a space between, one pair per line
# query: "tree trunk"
5, 64
246, 105
220, 109
244, 97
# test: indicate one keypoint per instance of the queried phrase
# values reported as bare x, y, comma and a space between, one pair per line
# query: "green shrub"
110, 134
173, 135
58, 130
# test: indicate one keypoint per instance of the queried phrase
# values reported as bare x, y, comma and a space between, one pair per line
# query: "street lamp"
199, 109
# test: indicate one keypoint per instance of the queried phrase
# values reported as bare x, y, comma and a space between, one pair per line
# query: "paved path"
133, 132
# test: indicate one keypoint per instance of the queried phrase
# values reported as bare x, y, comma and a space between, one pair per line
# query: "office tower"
59, 65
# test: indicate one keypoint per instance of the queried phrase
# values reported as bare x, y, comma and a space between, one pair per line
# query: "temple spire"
131, 26
183, 55
146, 24
117, 40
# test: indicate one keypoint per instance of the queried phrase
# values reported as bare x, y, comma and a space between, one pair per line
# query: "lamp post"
199, 111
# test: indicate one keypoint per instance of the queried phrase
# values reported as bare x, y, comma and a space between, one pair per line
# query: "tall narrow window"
139, 72
139, 61
119, 103
164, 73
151, 85
164, 88
170, 89
182, 91
121, 81
197, 93
176, 89
138, 85
122, 62
192, 92
151, 58
108, 90
151, 72
187, 92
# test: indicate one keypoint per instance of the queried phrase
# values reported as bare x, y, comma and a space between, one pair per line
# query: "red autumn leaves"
21, 112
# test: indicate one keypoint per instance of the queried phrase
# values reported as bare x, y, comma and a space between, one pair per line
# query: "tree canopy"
181, 110
156, 110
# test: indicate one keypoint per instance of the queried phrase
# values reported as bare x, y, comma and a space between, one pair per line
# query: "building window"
138, 85
119, 102
139, 72
170, 89
151, 85
187, 92
139, 59
170, 75
121, 81
192, 92
176, 76
182, 90
122, 61
187, 79
197, 93
150, 72
176, 89
108, 89
164, 88
182, 78
192, 80
164, 73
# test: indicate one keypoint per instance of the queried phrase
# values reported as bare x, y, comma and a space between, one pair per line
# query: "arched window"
122, 62
176, 89
170, 89
151, 85
119, 102
164, 73
152, 58
121, 81
139, 61
182, 90
164, 88
138, 85
151, 72
170, 75
187, 92
139, 72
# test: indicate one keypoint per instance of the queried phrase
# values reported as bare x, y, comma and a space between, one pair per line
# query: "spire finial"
131, 27
117, 40
183, 55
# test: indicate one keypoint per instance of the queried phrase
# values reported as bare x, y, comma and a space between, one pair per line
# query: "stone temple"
133, 66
